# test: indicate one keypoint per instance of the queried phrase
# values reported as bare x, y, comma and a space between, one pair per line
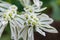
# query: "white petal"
19, 22
13, 7
42, 9
4, 4
21, 16
40, 3
39, 10
43, 16
14, 32
1, 13
40, 31
48, 28
25, 2
12, 25
2, 26
2, 9
36, 2
30, 34
44, 19
24, 33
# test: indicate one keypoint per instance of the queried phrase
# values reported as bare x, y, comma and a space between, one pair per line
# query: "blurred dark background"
53, 10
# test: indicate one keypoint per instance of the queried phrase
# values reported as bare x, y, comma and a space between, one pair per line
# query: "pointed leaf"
30, 34
48, 28
44, 19
40, 31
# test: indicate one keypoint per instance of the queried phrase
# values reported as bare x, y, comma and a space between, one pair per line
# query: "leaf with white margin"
14, 32
40, 31
42, 9
30, 34
1, 13
39, 9
25, 2
23, 34
19, 22
4, 4
21, 16
2, 9
43, 15
3, 24
48, 28
38, 3
44, 19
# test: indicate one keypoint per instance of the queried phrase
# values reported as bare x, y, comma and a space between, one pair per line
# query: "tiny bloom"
10, 16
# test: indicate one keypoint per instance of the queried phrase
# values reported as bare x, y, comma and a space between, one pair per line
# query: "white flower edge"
38, 3
3, 24
5, 4
15, 24
48, 28
43, 25
45, 19
25, 2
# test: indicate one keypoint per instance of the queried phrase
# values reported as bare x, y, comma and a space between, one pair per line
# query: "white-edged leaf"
25, 2
36, 2
48, 28
4, 4
19, 22
3, 24
44, 19
21, 16
23, 34
40, 31
14, 32
42, 9
2, 9
30, 34
39, 10
43, 15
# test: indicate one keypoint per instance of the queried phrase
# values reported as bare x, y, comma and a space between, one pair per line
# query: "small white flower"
39, 23
10, 15
35, 21
34, 8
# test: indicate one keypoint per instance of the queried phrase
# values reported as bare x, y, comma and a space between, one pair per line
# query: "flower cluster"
24, 25
10, 15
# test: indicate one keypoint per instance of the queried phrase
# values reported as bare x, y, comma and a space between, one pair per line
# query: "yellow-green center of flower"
10, 13
29, 8
8, 16
31, 19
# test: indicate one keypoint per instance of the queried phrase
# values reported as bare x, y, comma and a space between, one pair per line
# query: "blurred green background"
53, 10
